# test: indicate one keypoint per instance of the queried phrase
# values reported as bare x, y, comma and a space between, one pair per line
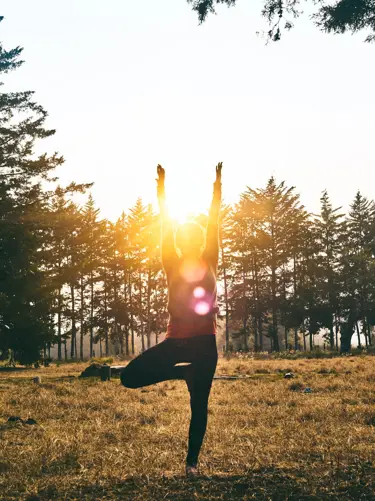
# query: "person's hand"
217, 183
160, 181
161, 174
218, 172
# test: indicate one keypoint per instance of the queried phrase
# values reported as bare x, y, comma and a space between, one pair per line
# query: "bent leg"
153, 366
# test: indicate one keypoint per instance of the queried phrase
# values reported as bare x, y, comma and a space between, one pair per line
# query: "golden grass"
99, 440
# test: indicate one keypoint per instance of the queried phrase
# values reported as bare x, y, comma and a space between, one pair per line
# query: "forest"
67, 273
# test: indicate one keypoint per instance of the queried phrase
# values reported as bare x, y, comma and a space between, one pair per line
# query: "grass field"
267, 439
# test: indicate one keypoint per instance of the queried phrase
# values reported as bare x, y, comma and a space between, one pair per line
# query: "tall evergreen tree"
89, 264
330, 228
276, 209
357, 261
25, 298
137, 231
225, 263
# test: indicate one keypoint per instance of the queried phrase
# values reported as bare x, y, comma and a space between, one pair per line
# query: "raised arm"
212, 235
168, 250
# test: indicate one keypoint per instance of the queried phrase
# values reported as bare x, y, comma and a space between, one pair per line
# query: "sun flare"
181, 207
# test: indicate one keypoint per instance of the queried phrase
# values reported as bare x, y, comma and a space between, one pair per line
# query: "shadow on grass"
352, 483
4, 368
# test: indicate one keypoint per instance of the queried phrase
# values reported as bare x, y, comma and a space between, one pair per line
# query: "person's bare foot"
191, 471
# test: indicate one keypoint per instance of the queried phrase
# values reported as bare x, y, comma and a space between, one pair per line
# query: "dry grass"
266, 438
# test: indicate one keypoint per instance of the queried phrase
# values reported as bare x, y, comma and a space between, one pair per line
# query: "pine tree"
137, 227
276, 207
357, 265
89, 239
225, 263
240, 291
152, 267
25, 297
61, 226
299, 239
329, 233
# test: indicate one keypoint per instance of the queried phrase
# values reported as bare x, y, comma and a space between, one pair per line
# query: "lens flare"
202, 308
193, 270
199, 292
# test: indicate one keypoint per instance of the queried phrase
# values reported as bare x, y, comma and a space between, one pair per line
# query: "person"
190, 260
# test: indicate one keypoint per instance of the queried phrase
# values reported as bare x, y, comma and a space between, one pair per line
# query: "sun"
186, 198
182, 207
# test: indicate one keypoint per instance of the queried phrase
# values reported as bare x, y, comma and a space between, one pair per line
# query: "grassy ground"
266, 439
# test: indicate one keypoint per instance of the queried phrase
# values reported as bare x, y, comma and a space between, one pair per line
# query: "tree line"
291, 275
66, 273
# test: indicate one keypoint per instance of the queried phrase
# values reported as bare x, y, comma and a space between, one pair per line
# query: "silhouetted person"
192, 307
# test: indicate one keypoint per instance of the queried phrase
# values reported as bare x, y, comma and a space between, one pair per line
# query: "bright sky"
130, 84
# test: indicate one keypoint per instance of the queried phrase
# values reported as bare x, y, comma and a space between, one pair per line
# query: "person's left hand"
160, 182
218, 171
161, 174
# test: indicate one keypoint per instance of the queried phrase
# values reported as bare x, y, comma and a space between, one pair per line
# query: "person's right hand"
160, 181
161, 173
218, 172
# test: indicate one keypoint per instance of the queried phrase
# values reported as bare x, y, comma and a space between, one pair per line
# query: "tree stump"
105, 373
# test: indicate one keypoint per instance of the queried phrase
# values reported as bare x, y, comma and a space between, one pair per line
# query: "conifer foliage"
338, 16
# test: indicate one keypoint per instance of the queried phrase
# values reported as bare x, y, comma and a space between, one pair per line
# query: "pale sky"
129, 84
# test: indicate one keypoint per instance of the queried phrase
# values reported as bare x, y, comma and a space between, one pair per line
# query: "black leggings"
159, 364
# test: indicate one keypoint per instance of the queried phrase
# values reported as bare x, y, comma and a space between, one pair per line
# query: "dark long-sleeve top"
192, 292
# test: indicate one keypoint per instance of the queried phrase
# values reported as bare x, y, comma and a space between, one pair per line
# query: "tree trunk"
275, 337
74, 333
364, 330
225, 299
296, 328
59, 351
331, 337
140, 312
127, 341
59, 305
127, 317
296, 344
149, 308
246, 344
258, 309
106, 314
346, 335
91, 314
286, 337
82, 329
117, 334
369, 334
358, 334
131, 314
121, 338
260, 331
255, 327
244, 320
